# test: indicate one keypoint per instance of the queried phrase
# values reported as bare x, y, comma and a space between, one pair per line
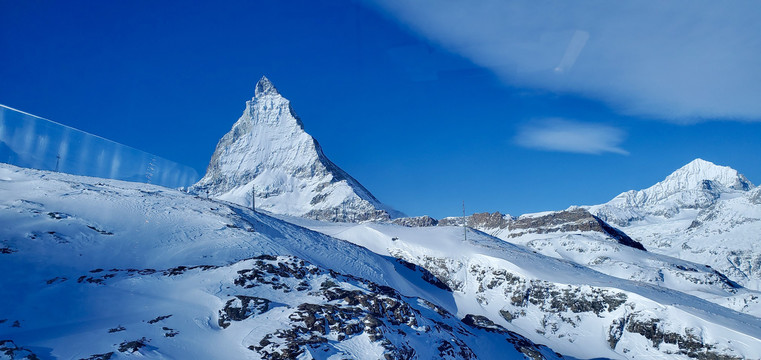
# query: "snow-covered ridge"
571, 308
268, 152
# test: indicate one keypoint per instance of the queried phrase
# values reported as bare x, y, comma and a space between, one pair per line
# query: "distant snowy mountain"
578, 236
550, 297
703, 213
268, 151
697, 185
103, 269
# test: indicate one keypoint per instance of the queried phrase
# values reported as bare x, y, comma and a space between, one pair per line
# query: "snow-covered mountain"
104, 269
268, 152
703, 213
697, 185
711, 212
578, 236
570, 307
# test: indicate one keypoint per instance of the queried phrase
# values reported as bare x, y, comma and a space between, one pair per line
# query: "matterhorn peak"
268, 159
265, 87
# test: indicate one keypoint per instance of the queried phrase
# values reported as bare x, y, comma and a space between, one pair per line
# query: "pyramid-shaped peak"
269, 159
696, 171
265, 87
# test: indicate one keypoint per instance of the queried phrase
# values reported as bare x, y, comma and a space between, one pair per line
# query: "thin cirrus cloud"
563, 135
678, 60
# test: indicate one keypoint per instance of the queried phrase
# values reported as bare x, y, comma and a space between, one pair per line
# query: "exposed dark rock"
241, 308
182, 269
102, 232
106, 356
615, 332
362, 308
159, 318
13, 352
170, 332
347, 214
117, 329
484, 220
417, 221
567, 221
318, 199
427, 276
133, 346
55, 279
7, 250
689, 343
482, 322
522, 344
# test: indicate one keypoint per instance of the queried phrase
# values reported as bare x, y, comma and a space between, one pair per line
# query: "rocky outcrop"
688, 342
9, 350
568, 221
417, 221
484, 220
241, 308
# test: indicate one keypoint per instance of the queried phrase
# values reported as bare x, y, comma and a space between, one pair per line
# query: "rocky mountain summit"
268, 155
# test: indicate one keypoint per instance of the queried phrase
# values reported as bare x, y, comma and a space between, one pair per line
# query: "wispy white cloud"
563, 135
681, 60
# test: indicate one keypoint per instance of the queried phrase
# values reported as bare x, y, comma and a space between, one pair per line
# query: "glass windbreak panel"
31, 141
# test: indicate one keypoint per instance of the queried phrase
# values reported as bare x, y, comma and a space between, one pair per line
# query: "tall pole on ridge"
464, 222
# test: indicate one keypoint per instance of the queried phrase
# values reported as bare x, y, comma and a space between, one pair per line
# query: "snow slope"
98, 269
269, 152
572, 308
576, 235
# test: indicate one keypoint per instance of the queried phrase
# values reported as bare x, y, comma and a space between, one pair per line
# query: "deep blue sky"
421, 120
